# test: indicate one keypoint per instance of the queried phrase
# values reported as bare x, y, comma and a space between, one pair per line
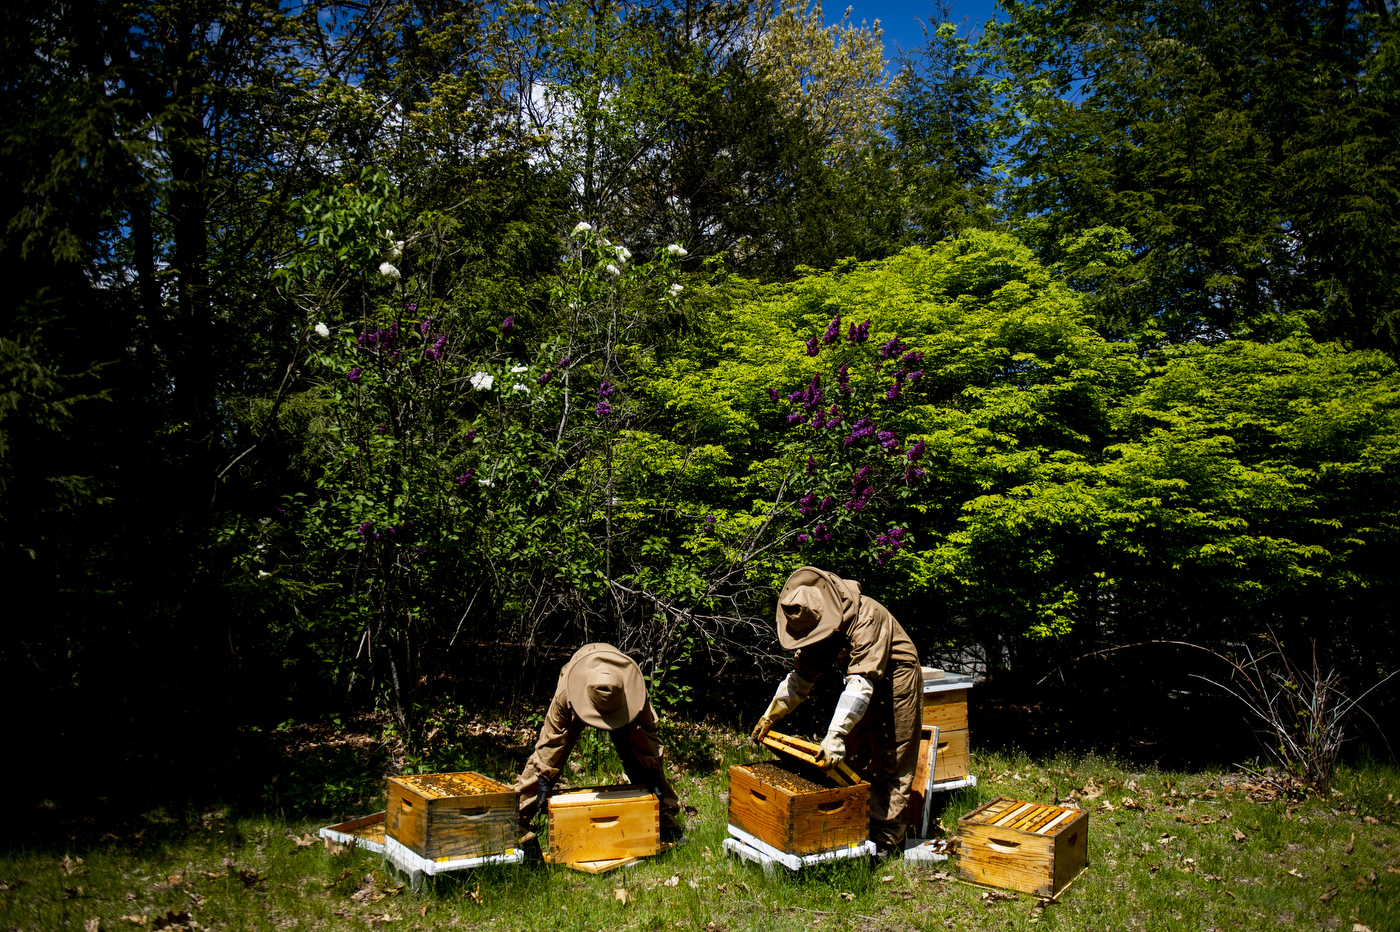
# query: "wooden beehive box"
446, 816
797, 812
945, 708
1031, 847
603, 823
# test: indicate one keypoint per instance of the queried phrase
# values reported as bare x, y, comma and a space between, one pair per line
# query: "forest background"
367, 358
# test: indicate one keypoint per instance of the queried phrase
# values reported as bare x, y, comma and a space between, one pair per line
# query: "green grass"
1178, 863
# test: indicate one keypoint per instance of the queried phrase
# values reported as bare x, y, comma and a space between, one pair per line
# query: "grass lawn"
1190, 851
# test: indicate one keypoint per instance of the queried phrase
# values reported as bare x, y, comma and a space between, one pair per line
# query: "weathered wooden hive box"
945, 706
446, 816
604, 822
795, 813
1031, 847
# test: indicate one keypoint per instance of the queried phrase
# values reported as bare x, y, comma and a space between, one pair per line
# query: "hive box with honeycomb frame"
449, 816
796, 809
1031, 847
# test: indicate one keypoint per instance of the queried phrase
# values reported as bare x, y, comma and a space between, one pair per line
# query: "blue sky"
900, 18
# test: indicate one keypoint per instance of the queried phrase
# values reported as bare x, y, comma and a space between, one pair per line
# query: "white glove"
850, 708
791, 692
832, 751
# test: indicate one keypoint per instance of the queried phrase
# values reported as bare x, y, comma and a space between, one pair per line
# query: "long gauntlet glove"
850, 708
791, 691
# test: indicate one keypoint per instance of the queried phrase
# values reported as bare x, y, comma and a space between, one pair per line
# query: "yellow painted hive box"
795, 809
603, 823
1030, 847
447, 816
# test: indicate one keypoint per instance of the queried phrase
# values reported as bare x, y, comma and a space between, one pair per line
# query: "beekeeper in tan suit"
878, 717
603, 687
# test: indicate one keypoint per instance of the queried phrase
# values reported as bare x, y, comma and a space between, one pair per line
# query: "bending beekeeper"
603, 687
878, 717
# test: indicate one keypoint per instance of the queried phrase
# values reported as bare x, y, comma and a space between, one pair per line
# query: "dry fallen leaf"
887, 878
671, 881
622, 896
1351, 845
71, 865
92, 925
848, 896
305, 841
1130, 803
1360, 927
1091, 790
134, 920
475, 895
1371, 820
1329, 896
1238, 835
422, 910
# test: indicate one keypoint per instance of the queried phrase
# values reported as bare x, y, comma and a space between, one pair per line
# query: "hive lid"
598, 794
450, 785
1021, 815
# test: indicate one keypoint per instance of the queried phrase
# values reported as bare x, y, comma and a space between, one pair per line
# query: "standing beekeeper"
878, 717
603, 687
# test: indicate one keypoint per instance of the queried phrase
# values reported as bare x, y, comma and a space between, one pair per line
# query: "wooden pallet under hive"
450, 816
1031, 847
786, 807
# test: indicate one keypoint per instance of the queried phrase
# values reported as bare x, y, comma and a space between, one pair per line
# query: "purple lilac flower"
892, 348
546, 377
859, 333
916, 375
820, 534
807, 503
826, 504
410, 308
382, 429
466, 477
892, 392
911, 359
366, 530
812, 396
424, 325
811, 465
862, 429
833, 331
888, 440
353, 375
834, 416
507, 325
916, 451
797, 417
772, 394
794, 397
860, 500
607, 389
843, 378
564, 363
281, 512
860, 479
802, 538
471, 435
911, 474
421, 550
602, 409
813, 347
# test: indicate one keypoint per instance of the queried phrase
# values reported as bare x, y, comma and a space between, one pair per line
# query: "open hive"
447, 816
603, 823
795, 808
1031, 847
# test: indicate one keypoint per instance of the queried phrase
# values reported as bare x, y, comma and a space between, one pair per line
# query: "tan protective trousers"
884, 746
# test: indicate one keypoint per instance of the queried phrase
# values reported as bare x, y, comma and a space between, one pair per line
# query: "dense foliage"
357, 352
